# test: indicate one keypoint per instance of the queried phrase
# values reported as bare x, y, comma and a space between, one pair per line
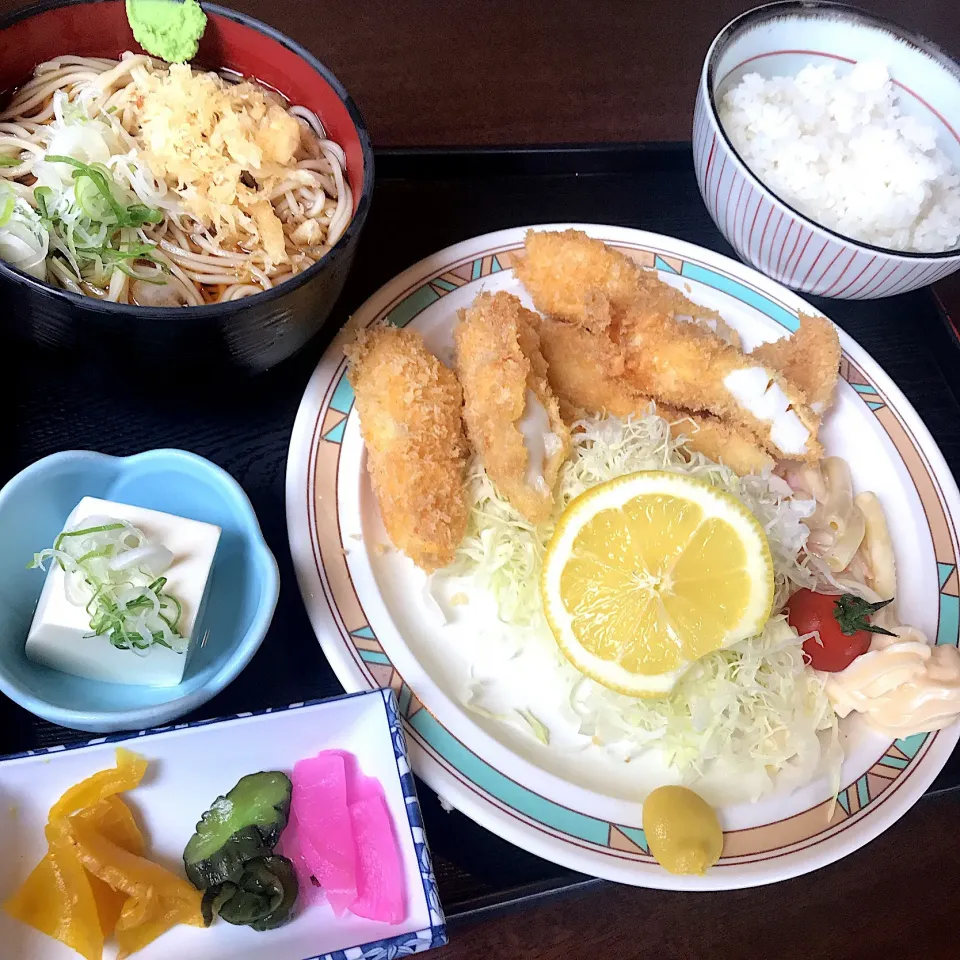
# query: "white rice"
840, 151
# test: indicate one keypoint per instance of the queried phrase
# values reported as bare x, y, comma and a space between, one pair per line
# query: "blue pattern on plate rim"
403, 945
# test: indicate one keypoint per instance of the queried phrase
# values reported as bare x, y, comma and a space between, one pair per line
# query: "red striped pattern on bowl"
776, 241
763, 230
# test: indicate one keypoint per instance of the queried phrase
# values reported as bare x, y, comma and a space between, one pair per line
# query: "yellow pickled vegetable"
94, 881
58, 900
114, 820
62, 901
126, 775
682, 830
156, 898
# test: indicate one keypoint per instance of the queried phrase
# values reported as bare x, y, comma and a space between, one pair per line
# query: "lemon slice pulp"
649, 572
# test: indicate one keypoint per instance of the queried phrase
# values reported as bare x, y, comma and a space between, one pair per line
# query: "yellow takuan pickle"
94, 880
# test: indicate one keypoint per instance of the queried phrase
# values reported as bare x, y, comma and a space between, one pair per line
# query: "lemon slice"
649, 572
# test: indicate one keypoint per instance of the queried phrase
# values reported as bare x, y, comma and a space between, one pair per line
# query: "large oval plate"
368, 609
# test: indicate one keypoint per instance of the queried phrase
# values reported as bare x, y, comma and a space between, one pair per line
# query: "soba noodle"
183, 259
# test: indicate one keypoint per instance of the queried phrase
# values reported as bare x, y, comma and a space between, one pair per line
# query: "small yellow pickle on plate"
682, 830
94, 881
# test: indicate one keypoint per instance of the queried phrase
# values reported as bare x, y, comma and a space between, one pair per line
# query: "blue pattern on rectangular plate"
403, 945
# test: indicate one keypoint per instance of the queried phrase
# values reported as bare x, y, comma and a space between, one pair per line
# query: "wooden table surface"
890, 901
434, 72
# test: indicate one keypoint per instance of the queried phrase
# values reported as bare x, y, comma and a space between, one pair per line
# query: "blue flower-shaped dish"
244, 588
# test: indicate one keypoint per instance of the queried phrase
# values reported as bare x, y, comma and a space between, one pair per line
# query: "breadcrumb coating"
683, 364
810, 358
585, 373
504, 378
409, 405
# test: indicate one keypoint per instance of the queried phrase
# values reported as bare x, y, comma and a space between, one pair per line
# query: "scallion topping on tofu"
113, 570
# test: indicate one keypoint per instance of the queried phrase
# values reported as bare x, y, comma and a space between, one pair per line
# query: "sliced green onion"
85, 227
123, 600
8, 202
86, 192
140, 214
139, 251
93, 554
136, 215
86, 532
10, 161
123, 268
178, 605
97, 177
42, 195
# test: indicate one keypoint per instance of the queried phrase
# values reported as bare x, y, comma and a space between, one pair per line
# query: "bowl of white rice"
826, 143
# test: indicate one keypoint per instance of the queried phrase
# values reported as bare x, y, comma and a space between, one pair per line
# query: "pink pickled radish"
359, 785
340, 832
380, 885
290, 846
324, 827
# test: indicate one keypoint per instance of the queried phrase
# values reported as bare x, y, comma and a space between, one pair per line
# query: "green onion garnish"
86, 532
123, 268
8, 201
110, 571
136, 215
42, 196
138, 251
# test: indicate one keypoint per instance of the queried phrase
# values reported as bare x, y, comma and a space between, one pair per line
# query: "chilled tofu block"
60, 635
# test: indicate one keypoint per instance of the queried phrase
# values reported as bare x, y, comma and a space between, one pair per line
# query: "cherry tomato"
841, 623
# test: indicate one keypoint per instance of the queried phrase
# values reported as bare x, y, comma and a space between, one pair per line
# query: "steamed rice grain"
841, 151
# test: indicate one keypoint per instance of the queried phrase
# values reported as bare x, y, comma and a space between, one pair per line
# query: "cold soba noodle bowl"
157, 185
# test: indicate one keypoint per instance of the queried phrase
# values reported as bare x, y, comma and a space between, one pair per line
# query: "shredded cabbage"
739, 717
503, 553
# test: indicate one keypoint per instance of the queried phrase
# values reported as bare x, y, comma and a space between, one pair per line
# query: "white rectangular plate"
190, 766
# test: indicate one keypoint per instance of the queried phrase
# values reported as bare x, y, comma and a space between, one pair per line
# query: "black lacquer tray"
423, 201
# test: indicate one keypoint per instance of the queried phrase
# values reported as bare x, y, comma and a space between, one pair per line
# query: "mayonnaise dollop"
903, 685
